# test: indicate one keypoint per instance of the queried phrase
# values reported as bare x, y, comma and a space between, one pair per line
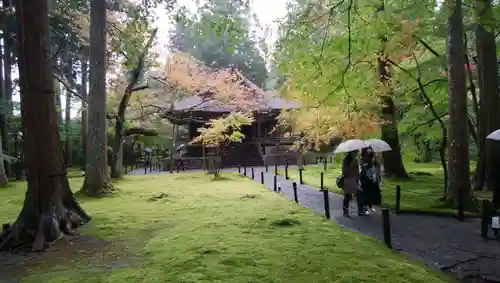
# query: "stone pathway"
443, 243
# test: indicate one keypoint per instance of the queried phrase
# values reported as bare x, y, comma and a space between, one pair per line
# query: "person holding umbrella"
371, 172
349, 181
370, 180
351, 185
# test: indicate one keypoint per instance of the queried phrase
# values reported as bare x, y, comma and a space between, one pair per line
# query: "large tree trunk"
7, 60
83, 93
117, 158
49, 207
3, 120
458, 150
489, 99
67, 131
4, 181
68, 71
393, 161
7, 65
57, 98
97, 180
117, 162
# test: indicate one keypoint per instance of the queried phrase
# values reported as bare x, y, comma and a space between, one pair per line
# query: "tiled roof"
254, 99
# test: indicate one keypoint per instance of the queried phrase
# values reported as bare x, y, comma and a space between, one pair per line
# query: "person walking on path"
370, 180
350, 175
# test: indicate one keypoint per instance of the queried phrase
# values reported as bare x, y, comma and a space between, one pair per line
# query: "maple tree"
344, 57
331, 69
183, 76
221, 132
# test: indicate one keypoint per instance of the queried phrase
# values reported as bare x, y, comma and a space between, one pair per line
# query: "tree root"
38, 232
49, 230
106, 189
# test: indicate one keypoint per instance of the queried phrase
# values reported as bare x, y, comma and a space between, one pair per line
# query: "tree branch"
139, 88
68, 87
141, 131
427, 46
431, 82
426, 123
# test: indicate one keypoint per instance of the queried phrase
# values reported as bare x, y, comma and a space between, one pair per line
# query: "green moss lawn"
420, 192
208, 231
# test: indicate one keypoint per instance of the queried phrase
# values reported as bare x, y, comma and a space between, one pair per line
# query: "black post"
286, 172
244, 170
322, 187
324, 164
239, 169
253, 174
276, 169
386, 226
267, 168
327, 204
398, 198
485, 218
275, 187
262, 178
460, 206
178, 168
300, 176
295, 196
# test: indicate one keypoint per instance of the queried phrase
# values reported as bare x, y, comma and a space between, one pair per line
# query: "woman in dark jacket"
370, 180
350, 173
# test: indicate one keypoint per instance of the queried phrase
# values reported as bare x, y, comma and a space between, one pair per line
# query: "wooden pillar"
254, 131
277, 129
172, 147
203, 155
258, 129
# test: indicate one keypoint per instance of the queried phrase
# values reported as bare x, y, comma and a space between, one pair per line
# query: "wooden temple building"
263, 144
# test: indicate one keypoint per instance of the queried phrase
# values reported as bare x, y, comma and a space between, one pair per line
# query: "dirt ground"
16, 265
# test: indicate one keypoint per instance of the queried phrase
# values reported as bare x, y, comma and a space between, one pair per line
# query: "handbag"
340, 182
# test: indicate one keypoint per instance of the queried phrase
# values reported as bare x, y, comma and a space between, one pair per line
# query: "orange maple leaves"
224, 86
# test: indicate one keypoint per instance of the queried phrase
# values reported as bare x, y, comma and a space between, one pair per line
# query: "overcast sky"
267, 11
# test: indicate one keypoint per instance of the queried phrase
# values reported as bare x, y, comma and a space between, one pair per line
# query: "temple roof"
251, 97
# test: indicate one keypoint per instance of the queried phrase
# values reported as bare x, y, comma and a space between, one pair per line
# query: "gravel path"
444, 243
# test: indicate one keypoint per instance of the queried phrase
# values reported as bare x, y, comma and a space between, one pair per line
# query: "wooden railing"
279, 140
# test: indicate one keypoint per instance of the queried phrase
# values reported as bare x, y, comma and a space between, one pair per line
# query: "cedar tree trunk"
49, 208
97, 180
489, 99
458, 152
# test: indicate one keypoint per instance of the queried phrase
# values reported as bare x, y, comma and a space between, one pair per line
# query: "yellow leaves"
224, 130
224, 86
321, 124
401, 44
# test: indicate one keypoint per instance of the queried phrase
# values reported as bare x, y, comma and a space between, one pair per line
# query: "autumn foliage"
224, 86
221, 132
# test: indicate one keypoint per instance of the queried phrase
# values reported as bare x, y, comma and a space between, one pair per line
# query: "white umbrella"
350, 145
494, 136
378, 145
